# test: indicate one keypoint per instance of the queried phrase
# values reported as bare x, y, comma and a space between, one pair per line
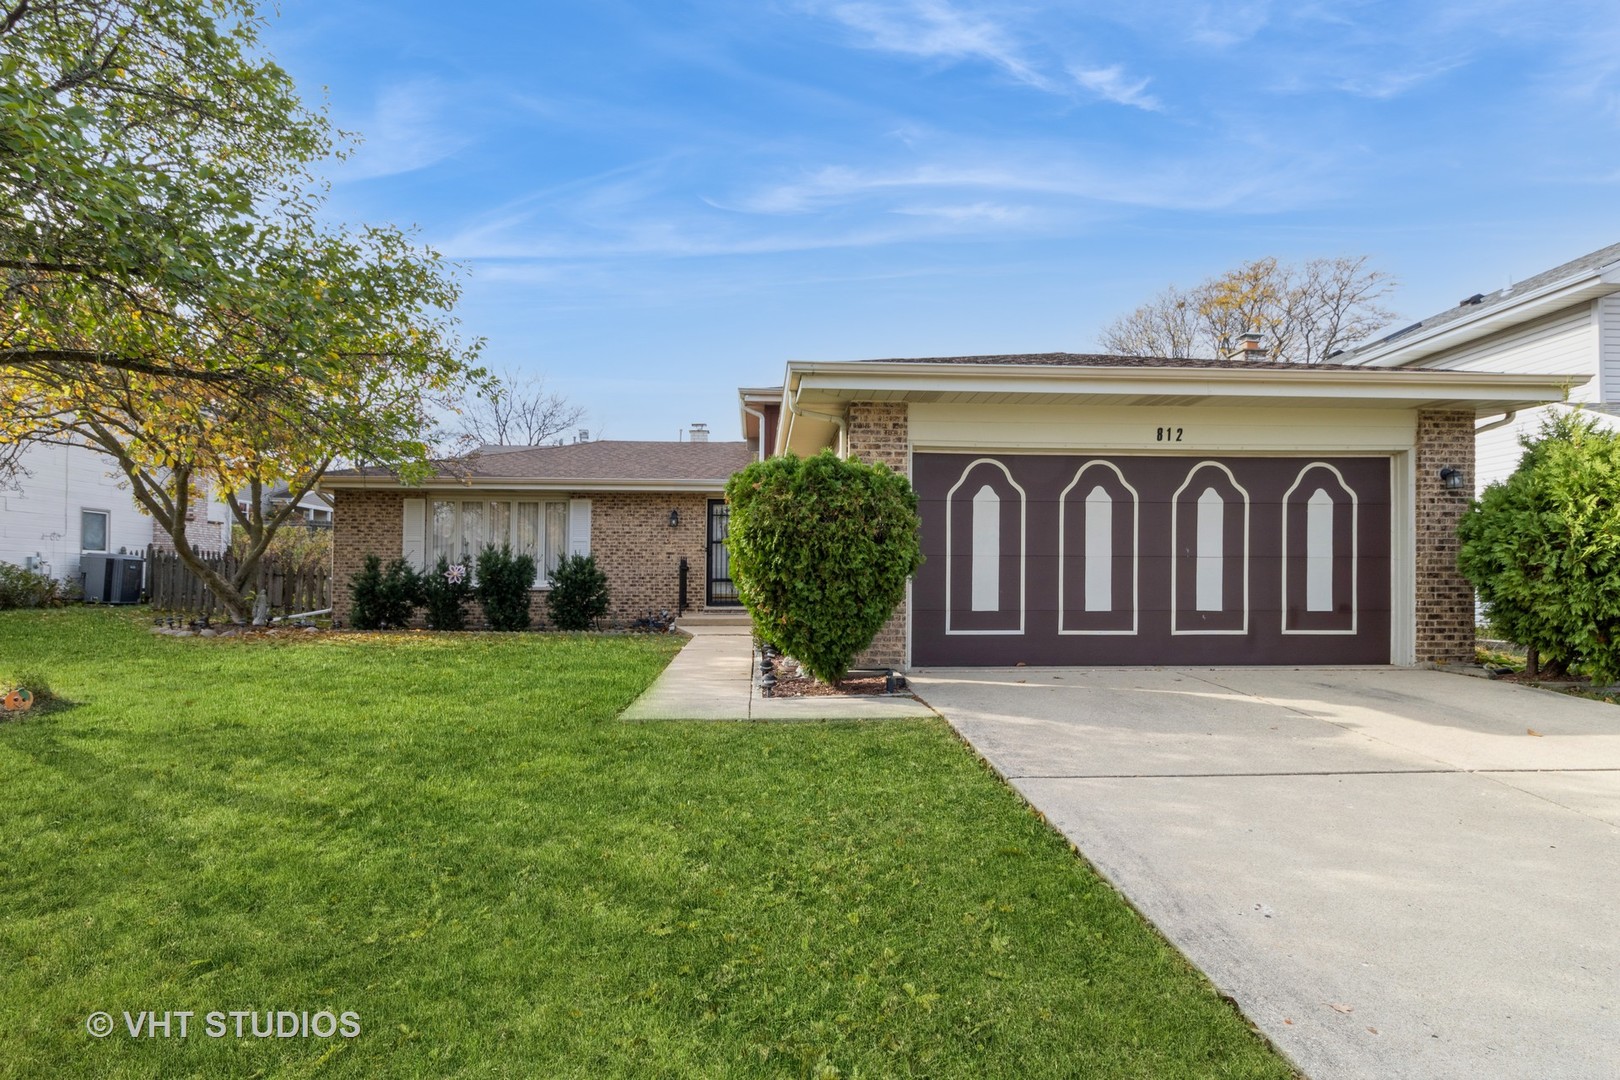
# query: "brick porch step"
712, 617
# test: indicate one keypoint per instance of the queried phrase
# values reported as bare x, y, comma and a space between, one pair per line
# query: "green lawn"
455, 838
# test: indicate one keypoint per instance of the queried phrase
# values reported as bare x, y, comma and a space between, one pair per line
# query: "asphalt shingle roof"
1574, 268
605, 459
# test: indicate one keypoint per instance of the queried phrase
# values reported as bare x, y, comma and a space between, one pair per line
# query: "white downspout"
793, 407
760, 416
1502, 421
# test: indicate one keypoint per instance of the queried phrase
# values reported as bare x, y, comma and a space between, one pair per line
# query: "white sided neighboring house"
1561, 321
71, 501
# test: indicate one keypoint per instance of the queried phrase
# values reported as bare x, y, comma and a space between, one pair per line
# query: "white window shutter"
579, 526
414, 542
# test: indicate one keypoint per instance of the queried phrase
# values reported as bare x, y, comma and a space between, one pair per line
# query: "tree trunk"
1532, 663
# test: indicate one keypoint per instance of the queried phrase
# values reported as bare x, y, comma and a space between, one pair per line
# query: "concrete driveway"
1384, 868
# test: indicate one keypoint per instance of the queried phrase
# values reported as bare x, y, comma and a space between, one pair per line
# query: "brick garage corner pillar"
881, 431
1444, 599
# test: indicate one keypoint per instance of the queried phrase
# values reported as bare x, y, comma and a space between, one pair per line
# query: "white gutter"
497, 483
1365, 384
1502, 421
792, 401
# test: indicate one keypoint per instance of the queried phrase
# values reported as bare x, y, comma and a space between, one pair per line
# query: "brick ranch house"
641, 508
1076, 509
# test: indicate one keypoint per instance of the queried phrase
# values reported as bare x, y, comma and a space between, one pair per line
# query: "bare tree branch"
516, 411
1304, 314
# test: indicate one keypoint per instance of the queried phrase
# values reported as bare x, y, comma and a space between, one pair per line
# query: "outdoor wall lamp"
674, 519
1452, 478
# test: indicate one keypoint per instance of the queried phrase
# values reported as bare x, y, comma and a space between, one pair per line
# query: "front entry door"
721, 591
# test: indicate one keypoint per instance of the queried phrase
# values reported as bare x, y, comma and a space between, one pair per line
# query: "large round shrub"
820, 551
1543, 547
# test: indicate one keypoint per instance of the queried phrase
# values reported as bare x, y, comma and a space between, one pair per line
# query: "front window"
93, 530
461, 528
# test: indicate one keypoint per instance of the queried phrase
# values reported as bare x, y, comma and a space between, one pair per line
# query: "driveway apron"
1393, 872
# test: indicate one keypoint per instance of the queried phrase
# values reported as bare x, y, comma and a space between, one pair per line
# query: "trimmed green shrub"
21, 588
383, 597
579, 593
504, 581
447, 589
820, 549
1543, 547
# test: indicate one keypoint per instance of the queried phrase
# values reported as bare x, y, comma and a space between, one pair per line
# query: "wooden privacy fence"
172, 586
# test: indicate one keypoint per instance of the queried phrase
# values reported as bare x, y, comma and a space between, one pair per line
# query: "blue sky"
658, 202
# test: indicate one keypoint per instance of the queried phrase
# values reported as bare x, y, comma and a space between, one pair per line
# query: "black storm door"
721, 590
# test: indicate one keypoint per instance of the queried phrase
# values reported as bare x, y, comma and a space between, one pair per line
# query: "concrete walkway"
713, 678
1395, 873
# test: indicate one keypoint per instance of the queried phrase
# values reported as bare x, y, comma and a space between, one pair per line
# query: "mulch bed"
806, 686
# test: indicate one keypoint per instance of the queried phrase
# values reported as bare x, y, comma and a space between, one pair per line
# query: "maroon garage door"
1048, 559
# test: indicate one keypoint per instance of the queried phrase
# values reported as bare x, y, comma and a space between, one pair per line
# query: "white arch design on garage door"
1100, 552
983, 547
1324, 553
1212, 556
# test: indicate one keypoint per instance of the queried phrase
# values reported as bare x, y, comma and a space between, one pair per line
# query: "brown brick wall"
1445, 600
363, 523
205, 537
630, 537
881, 431
641, 554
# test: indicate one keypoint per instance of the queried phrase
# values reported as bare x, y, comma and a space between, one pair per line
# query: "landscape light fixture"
1452, 478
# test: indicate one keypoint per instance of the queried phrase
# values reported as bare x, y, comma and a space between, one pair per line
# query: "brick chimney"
699, 433
1247, 347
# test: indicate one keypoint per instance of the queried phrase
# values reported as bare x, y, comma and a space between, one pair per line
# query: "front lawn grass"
455, 838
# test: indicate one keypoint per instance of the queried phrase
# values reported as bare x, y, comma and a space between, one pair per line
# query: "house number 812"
1167, 434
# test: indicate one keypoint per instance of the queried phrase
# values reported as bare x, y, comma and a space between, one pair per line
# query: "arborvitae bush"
447, 589
504, 581
383, 597
1543, 547
820, 549
579, 593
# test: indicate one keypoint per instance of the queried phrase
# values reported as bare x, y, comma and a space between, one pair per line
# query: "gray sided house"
642, 508
1114, 510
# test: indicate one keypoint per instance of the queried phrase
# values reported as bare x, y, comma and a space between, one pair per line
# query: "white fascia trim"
1335, 386
492, 484
1538, 301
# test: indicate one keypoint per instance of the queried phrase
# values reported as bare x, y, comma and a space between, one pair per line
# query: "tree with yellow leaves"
1303, 314
170, 297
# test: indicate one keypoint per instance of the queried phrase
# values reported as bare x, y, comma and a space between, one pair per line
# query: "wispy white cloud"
409, 128
941, 30
1191, 184
976, 193
1112, 84
971, 213
934, 29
